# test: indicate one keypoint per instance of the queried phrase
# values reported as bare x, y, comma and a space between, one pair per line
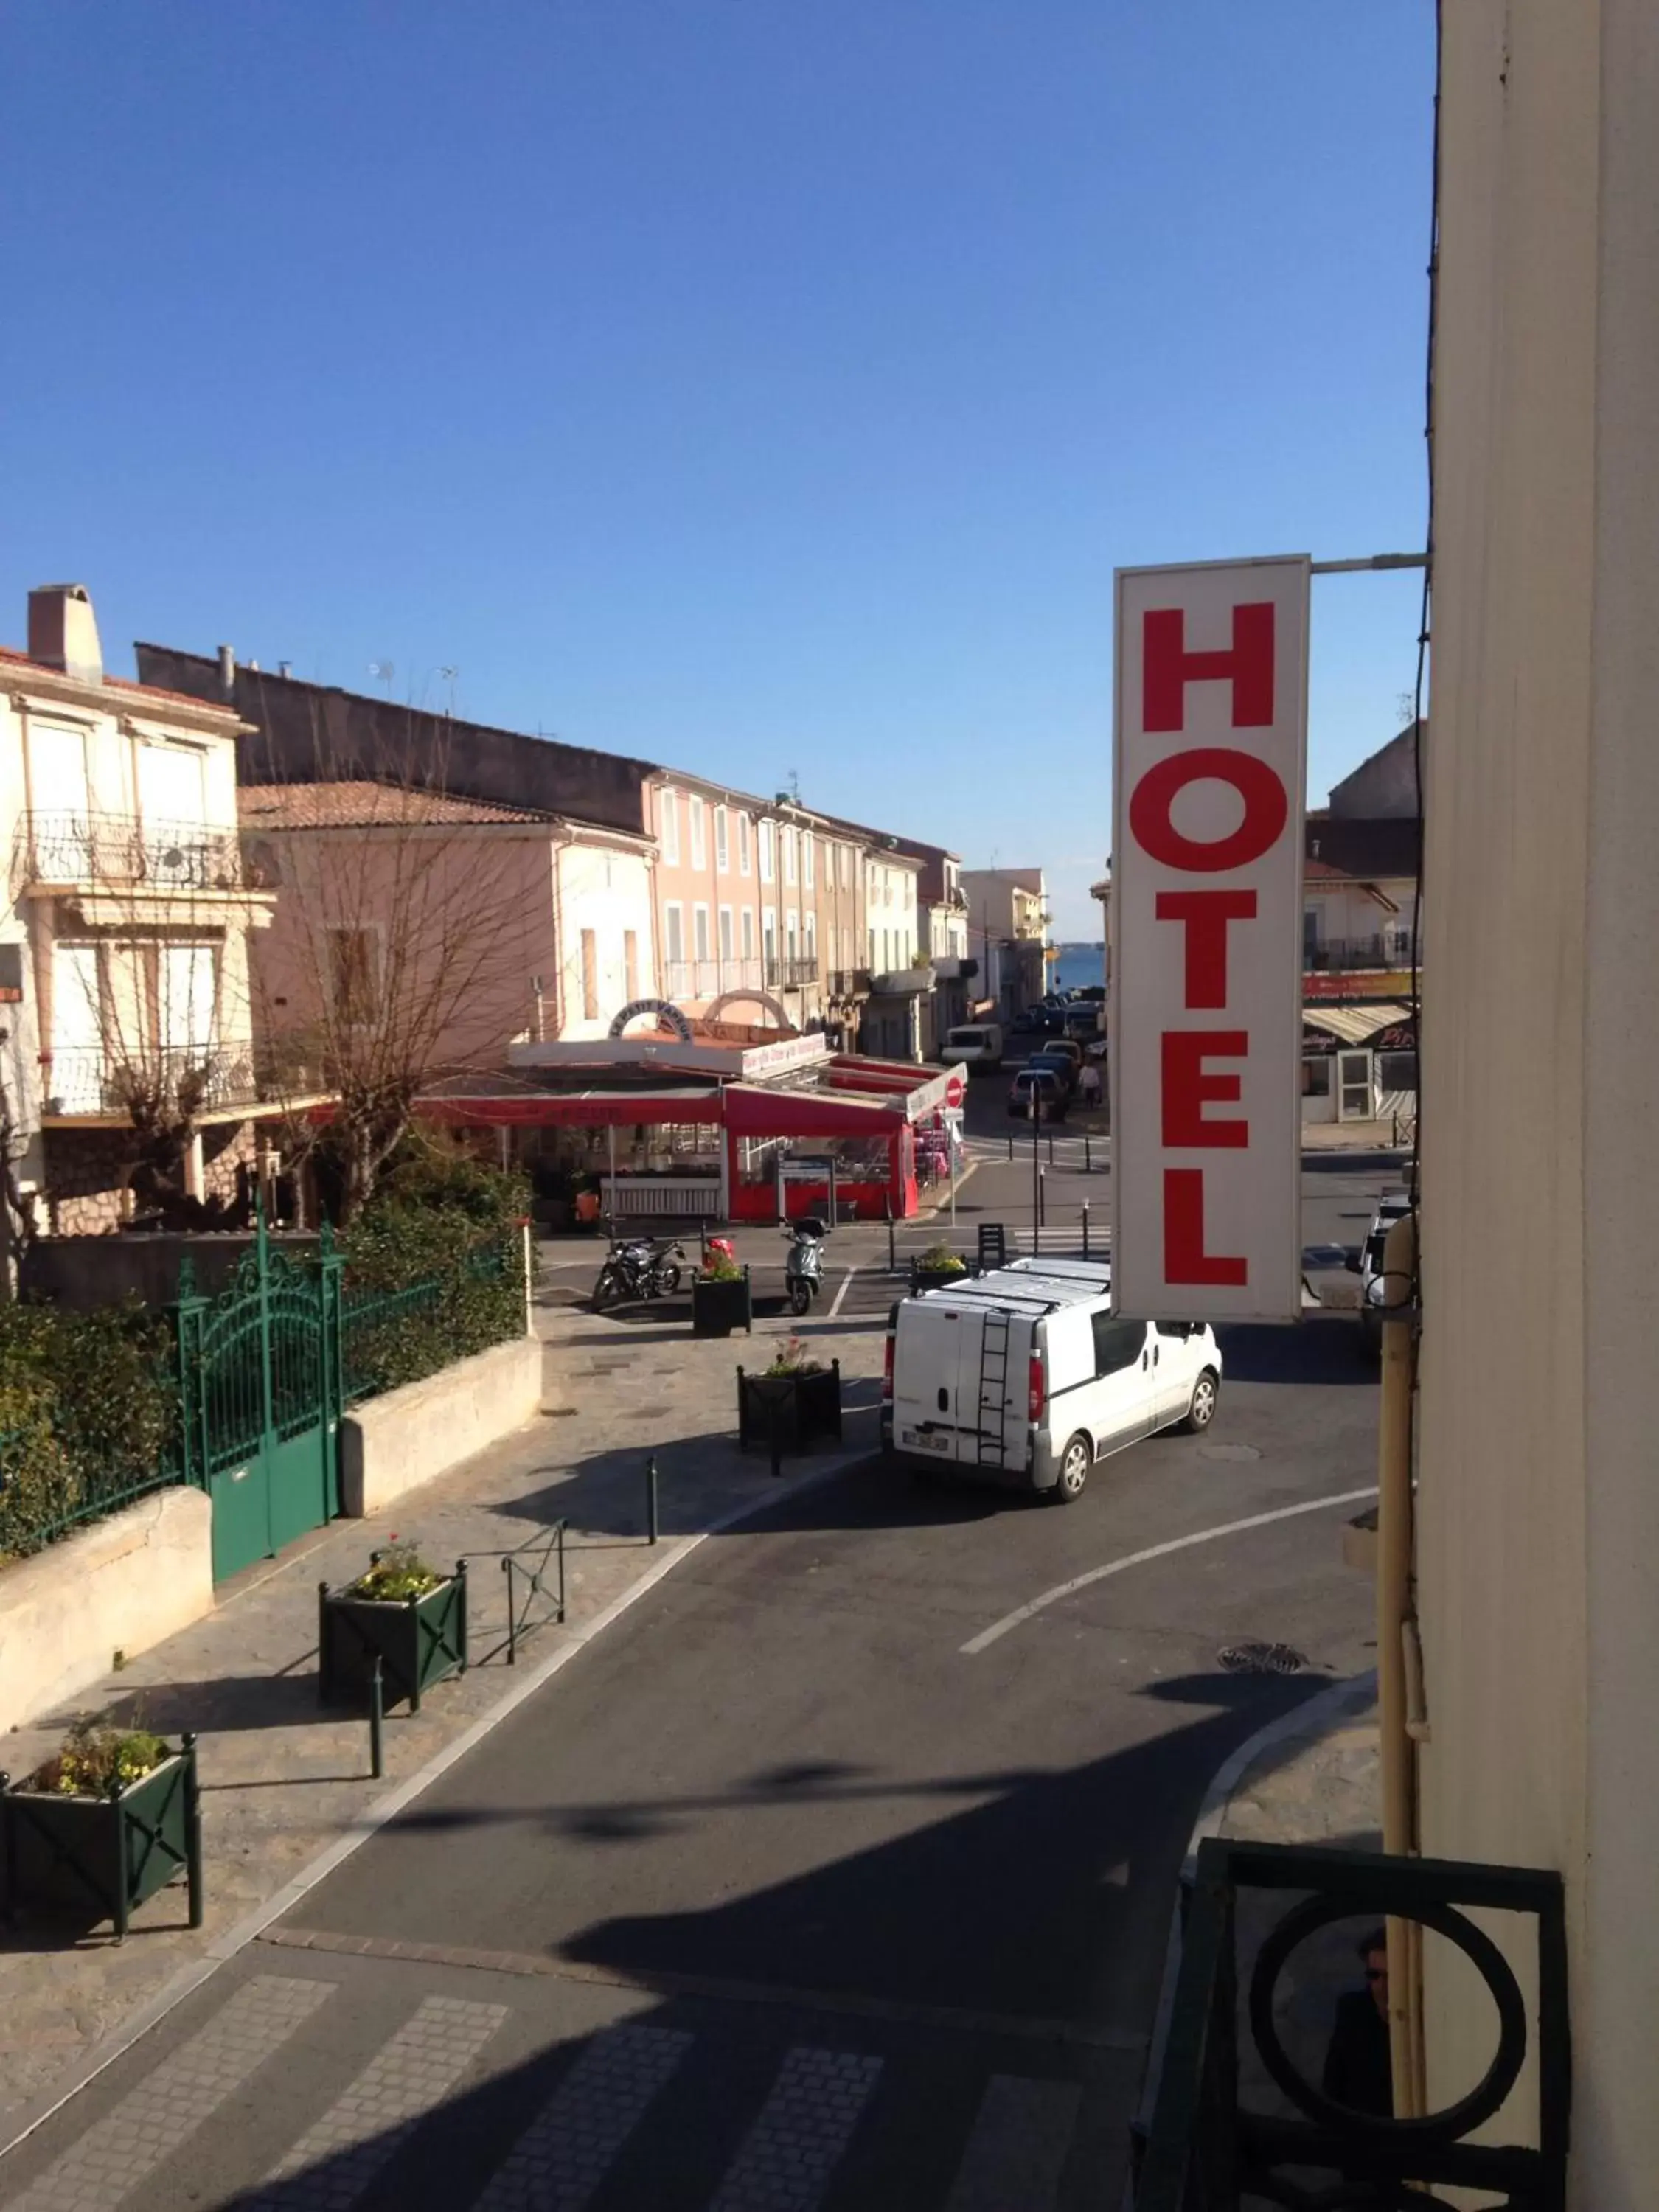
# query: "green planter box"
717, 1309
418, 1641
101, 1858
800, 1408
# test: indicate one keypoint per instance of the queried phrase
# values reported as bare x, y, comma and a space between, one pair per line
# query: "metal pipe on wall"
1398, 1751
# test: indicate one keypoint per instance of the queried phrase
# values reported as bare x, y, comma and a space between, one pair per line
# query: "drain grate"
1262, 1659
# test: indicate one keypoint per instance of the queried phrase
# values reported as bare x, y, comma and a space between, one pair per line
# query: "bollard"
651, 1499
1042, 1198
376, 1720
1086, 1228
1011, 1144
1087, 1162
192, 1832
1051, 1146
892, 1248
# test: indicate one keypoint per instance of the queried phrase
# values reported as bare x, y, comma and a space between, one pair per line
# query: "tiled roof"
364, 805
9, 653
1322, 871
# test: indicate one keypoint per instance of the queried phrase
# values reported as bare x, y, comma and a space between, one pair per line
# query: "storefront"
663, 1129
1359, 1063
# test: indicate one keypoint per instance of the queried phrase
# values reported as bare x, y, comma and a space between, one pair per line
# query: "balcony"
792, 971
1206, 2151
87, 1081
1342, 955
901, 982
695, 982
54, 852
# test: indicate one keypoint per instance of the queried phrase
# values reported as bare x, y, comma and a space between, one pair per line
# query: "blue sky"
755, 385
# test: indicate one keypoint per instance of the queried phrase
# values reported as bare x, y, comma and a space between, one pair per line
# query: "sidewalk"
284, 1781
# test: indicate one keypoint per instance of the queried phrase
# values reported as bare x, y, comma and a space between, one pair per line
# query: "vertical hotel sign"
1212, 664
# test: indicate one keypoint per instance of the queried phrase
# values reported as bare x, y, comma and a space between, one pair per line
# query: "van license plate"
924, 1440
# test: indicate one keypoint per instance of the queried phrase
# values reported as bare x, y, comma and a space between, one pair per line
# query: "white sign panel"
1211, 717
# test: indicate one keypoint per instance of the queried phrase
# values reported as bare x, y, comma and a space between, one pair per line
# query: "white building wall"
609, 892
1539, 1505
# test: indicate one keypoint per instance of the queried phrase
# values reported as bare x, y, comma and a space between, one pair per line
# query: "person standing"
1359, 2065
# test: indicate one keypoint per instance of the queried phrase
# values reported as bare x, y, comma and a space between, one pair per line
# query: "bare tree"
18, 1226
400, 953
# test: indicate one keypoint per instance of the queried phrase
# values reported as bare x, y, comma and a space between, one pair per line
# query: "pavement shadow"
1325, 1348
223, 1705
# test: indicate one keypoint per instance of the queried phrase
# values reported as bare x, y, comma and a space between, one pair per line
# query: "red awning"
575, 1110
753, 1110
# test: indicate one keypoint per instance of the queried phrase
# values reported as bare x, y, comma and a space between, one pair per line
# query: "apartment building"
125, 1031
1008, 933
759, 906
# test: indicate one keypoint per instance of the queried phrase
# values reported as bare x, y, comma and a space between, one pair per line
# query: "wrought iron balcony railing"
1339, 954
789, 971
99, 851
1206, 2152
89, 1080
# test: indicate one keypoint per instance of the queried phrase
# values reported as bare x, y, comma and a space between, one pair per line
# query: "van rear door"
928, 1364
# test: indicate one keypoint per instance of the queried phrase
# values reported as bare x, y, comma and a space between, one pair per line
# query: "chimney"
285, 668
228, 671
63, 631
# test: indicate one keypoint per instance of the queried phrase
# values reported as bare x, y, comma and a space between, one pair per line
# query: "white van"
975, 1046
1024, 1376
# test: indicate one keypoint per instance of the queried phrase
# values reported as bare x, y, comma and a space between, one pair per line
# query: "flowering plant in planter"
396, 1575
96, 1759
940, 1259
794, 1359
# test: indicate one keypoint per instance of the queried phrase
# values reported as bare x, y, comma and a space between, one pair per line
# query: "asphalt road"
781, 1897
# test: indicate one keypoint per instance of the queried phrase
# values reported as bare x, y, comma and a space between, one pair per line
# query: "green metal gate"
260, 1385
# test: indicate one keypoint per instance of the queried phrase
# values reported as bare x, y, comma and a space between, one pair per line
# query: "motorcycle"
803, 1271
638, 1268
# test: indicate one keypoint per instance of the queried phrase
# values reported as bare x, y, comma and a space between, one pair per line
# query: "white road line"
989, 1636
109, 2159
845, 1284
1017, 2151
795, 2145
559, 2162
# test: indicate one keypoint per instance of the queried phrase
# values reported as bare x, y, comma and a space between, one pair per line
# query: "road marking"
336, 2161
118, 2152
845, 1284
562, 2158
1017, 2151
998, 1628
664, 1982
795, 2145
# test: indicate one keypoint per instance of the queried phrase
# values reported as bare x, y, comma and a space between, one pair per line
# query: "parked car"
975, 1047
1038, 1022
1059, 1065
1083, 1019
1064, 1049
1053, 1097
1393, 1206
1025, 1377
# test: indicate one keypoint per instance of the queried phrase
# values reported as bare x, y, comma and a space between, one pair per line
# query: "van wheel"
1201, 1412
1075, 1462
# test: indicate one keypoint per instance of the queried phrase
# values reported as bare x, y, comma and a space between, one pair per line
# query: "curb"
189, 1978
1313, 1718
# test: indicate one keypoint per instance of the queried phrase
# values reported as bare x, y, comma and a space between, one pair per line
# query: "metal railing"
368, 1317
1206, 2152
1338, 954
789, 971
89, 1080
124, 851
46, 1493
707, 979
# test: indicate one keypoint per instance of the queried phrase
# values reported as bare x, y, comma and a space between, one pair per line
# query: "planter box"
417, 1640
101, 1858
717, 1309
801, 1408
936, 1279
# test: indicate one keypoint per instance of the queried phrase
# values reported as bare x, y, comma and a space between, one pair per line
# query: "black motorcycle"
638, 1268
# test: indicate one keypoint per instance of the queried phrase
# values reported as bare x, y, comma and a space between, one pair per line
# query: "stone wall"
225, 1149
85, 1180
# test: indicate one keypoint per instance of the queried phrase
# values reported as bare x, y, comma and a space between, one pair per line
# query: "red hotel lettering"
1267, 808
1187, 1090
1185, 1259
1167, 668
1205, 914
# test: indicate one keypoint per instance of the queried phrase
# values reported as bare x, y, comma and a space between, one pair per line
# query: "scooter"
803, 1271
638, 1268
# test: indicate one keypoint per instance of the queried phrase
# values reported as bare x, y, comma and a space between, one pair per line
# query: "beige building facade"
1538, 1512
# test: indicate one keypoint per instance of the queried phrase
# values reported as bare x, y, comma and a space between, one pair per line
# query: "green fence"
243, 1397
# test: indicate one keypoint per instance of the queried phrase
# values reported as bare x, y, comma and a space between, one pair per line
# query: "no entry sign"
1207, 962
955, 1089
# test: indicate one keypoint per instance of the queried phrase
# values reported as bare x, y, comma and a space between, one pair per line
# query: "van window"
1118, 1344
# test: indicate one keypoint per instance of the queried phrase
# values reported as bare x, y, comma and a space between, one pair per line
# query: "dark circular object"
1262, 1659
1440, 2128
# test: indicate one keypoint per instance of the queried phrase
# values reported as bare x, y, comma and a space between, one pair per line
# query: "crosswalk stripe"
118, 2152
335, 2161
1016, 2150
563, 2155
787, 2157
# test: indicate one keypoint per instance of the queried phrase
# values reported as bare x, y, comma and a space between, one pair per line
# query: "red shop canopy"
753, 1110
576, 1109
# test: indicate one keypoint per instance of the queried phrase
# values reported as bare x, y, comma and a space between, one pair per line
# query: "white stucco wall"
607, 891
1539, 1508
